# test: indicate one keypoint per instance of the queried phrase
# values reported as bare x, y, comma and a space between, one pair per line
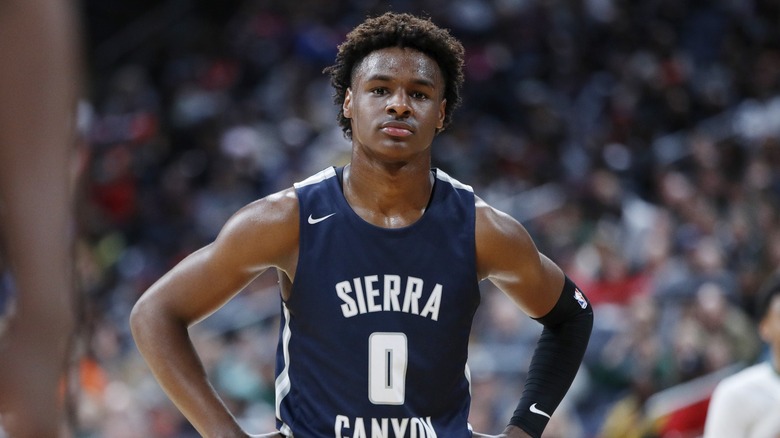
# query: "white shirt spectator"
746, 405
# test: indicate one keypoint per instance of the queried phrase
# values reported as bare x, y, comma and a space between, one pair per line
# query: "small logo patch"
580, 298
536, 410
313, 220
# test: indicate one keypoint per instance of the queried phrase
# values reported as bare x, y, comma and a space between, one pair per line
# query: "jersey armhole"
340, 177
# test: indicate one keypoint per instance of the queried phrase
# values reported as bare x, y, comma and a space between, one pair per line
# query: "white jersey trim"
441, 175
317, 177
330, 172
283, 380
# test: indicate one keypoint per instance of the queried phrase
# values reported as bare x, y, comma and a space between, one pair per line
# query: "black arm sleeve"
556, 359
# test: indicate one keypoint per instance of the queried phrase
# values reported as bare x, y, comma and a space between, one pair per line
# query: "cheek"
355, 108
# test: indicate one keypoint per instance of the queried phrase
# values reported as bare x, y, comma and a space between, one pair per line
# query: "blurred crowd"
639, 142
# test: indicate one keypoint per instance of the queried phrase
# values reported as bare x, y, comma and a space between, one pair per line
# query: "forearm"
555, 361
37, 96
37, 93
167, 348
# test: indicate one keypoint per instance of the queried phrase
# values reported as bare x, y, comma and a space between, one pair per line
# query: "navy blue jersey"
374, 337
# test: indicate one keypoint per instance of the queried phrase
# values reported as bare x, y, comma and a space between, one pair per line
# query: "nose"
398, 105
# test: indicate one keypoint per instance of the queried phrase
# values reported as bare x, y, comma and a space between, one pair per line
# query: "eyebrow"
386, 78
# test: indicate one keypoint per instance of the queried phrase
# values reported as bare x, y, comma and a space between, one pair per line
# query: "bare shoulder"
497, 231
277, 209
265, 230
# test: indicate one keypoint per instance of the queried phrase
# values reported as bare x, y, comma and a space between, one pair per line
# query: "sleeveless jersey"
374, 338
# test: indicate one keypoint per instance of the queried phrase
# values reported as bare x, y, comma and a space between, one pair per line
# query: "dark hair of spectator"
398, 30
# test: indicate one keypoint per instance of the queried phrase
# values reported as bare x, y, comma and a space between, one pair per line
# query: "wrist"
512, 431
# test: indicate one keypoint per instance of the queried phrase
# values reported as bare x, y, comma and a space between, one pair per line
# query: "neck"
388, 195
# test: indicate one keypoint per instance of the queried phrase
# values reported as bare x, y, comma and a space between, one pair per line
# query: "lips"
397, 129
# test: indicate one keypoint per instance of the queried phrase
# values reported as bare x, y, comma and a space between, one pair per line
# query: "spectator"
746, 403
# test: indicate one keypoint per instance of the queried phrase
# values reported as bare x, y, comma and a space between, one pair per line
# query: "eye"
419, 95
379, 91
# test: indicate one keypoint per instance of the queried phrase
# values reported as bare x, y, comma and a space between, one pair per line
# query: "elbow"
151, 320
138, 316
143, 317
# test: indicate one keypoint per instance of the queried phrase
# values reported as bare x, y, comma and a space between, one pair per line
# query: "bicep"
508, 257
195, 287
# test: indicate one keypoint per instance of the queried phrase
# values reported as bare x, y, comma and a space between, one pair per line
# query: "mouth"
397, 129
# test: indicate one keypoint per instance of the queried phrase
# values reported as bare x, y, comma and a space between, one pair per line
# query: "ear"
442, 114
346, 107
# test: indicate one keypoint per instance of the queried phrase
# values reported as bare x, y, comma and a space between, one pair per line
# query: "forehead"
398, 62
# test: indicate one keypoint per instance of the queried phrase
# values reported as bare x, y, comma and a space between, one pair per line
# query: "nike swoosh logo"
313, 221
536, 410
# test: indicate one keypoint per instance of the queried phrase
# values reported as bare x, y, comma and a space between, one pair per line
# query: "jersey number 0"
387, 360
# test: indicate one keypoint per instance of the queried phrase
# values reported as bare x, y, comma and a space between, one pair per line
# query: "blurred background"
639, 143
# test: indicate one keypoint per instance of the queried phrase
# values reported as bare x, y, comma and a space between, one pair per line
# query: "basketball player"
747, 404
38, 89
379, 264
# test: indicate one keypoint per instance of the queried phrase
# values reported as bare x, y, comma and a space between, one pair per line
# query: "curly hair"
398, 30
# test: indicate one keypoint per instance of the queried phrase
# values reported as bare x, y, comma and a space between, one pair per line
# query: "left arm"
507, 256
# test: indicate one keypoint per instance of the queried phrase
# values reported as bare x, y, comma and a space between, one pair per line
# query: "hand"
509, 432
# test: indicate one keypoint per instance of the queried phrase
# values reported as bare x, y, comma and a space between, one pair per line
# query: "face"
770, 324
395, 103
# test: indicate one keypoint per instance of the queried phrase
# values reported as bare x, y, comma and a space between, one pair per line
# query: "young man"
379, 264
747, 404
38, 90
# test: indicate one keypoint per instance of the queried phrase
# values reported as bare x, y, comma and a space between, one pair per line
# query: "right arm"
263, 234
